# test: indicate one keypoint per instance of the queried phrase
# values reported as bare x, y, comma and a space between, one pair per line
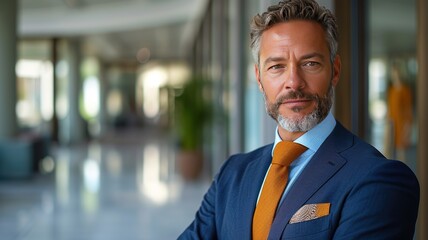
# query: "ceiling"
115, 30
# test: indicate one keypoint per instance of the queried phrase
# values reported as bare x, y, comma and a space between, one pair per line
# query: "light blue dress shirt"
312, 140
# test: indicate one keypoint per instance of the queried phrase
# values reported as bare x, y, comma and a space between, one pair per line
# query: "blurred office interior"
93, 101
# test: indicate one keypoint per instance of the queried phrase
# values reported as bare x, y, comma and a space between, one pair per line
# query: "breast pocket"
313, 229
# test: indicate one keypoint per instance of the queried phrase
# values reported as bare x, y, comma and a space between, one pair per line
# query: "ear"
336, 70
257, 72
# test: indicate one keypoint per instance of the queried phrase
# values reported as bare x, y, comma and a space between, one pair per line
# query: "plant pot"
190, 164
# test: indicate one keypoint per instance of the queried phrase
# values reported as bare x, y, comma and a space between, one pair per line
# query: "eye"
311, 64
276, 67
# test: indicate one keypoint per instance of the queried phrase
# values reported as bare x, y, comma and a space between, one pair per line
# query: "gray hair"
288, 10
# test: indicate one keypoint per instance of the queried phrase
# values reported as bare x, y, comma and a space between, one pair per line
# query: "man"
339, 187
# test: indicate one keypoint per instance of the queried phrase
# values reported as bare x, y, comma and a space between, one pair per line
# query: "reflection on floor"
123, 187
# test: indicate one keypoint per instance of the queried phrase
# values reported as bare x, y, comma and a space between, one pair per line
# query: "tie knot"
286, 151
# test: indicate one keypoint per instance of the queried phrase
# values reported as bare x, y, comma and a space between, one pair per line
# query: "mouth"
291, 101
296, 102
296, 105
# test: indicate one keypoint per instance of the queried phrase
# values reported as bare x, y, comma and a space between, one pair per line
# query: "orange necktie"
285, 152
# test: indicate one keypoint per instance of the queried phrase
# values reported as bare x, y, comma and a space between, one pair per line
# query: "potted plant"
191, 114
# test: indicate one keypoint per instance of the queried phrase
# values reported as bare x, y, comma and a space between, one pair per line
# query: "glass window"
392, 78
34, 73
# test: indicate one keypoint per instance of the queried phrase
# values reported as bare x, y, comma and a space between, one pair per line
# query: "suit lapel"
248, 192
323, 165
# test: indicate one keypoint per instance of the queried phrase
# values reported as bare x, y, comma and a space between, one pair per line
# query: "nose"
294, 79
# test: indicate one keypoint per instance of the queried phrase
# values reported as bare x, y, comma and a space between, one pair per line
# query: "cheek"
272, 87
270, 92
319, 87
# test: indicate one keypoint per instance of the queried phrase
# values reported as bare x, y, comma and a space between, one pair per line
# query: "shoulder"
237, 164
363, 159
350, 146
244, 158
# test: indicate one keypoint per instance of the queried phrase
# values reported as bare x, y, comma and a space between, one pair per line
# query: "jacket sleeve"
203, 226
383, 205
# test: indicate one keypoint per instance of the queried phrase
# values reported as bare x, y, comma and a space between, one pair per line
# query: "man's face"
295, 74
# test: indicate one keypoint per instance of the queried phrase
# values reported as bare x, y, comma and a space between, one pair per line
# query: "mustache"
295, 95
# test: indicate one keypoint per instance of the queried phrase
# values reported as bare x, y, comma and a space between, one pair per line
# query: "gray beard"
304, 123
299, 125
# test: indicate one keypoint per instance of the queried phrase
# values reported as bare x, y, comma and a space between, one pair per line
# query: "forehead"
294, 36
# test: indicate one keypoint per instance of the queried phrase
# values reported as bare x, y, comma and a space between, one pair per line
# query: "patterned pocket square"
310, 212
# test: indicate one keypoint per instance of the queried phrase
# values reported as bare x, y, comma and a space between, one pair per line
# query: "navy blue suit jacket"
371, 197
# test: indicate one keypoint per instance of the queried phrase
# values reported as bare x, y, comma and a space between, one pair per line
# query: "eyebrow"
312, 55
280, 59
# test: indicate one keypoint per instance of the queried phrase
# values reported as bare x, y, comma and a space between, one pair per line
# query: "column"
102, 115
8, 32
54, 121
72, 128
218, 76
422, 89
76, 127
236, 78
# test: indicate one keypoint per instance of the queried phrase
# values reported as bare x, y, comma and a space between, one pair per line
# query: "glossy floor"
123, 187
